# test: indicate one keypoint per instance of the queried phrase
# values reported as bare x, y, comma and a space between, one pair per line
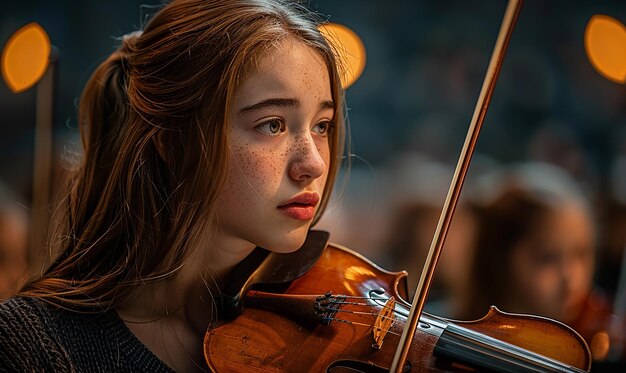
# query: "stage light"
350, 49
25, 57
605, 44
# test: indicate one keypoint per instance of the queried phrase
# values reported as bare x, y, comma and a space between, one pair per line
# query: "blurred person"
13, 244
419, 192
535, 251
555, 142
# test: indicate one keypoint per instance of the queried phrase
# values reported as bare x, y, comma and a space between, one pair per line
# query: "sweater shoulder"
36, 336
26, 340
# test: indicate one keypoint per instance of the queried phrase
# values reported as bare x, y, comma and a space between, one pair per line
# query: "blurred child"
535, 250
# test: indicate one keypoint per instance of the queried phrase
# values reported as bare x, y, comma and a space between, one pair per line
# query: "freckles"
259, 171
307, 80
301, 145
267, 171
312, 84
237, 165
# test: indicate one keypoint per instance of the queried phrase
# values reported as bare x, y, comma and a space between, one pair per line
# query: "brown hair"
511, 218
129, 215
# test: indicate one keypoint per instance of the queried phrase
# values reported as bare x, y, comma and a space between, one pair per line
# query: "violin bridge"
383, 323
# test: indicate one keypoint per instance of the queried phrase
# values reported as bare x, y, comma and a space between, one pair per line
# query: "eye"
272, 127
547, 257
323, 128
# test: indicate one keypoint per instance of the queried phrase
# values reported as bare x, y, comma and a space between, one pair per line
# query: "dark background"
425, 63
426, 60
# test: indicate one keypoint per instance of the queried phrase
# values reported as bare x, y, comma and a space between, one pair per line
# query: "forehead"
290, 66
567, 223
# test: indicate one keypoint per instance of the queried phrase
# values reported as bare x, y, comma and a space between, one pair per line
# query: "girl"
215, 130
535, 250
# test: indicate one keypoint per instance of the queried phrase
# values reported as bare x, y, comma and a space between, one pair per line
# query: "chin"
288, 242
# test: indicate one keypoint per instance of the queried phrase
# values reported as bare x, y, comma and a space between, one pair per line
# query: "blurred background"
549, 168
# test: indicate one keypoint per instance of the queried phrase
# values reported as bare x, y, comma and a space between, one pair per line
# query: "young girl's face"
553, 269
279, 129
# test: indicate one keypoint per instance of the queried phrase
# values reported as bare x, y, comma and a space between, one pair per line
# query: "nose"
307, 163
576, 275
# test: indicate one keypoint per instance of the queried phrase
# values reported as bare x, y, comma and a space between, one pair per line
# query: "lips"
301, 207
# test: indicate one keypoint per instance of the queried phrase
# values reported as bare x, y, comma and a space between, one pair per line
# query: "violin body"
347, 314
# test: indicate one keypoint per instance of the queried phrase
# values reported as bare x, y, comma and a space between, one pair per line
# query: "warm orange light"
25, 57
350, 49
605, 44
600, 345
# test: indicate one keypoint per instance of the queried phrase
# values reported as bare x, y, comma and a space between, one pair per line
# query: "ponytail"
104, 105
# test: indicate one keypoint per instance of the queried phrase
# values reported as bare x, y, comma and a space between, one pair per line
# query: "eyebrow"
283, 102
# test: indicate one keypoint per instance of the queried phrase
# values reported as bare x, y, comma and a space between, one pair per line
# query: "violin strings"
357, 312
358, 324
356, 297
357, 303
393, 319
385, 306
362, 304
333, 300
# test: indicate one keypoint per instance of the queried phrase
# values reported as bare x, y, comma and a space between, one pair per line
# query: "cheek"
255, 170
323, 149
547, 283
579, 278
537, 284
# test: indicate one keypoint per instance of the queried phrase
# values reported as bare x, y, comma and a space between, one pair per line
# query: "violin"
337, 311
326, 308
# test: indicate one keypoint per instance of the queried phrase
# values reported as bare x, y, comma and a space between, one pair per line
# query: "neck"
190, 292
171, 316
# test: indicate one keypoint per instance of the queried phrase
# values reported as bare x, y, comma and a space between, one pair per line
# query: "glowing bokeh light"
605, 44
350, 49
600, 345
25, 57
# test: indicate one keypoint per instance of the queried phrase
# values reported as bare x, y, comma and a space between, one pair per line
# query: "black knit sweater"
36, 337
